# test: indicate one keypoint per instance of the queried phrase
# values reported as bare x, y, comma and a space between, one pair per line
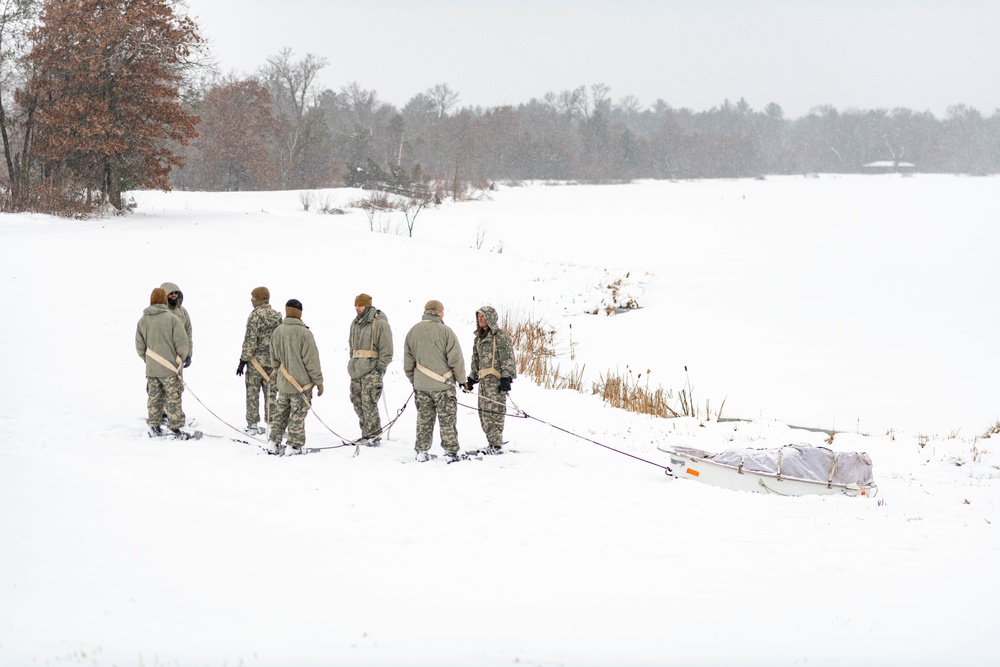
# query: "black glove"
187, 362
241, 367
470, 382
505, 384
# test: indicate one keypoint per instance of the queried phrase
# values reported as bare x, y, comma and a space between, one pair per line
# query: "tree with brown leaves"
232, 149
106, 77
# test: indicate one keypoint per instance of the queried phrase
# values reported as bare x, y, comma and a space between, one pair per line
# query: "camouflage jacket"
492, 348
162, 333
433, 345
257, 341
370, 333
293, 345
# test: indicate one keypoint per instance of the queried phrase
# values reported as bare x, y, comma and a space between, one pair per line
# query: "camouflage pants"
492, 410
289, 411
365, 392
256, 384
440, 405
163, 396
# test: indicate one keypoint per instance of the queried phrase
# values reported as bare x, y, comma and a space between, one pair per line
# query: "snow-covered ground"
865, 305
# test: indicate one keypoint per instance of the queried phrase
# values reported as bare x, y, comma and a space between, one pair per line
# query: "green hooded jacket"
432, 344
370, 332
158, 330
294, 346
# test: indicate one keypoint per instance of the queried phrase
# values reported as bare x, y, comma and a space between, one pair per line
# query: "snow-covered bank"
861, 304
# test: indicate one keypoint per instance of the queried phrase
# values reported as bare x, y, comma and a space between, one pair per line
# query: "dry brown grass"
534, 346
535, 350
628, 393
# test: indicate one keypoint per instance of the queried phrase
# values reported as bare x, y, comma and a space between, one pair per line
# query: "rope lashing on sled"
521, 414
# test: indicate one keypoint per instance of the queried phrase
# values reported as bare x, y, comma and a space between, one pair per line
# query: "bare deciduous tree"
16, 18
444, 98
292, 84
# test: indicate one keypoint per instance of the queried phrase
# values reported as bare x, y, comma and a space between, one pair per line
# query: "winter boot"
451, 457
179, 434
254, 429
291, 450
372, 442
423, 456
155, 431
492, 450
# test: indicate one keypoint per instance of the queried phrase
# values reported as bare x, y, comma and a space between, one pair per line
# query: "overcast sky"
851, 54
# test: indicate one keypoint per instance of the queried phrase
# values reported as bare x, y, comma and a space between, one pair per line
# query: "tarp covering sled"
796, 469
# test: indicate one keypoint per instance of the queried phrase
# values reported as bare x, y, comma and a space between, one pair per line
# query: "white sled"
792, 470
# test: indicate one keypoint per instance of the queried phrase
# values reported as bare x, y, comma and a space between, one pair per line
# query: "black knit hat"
294, 303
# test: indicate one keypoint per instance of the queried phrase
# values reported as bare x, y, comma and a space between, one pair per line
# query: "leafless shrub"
375, 200
326, 206
306, 200
411, 208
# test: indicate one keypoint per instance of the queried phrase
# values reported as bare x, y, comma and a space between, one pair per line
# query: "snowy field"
866, 305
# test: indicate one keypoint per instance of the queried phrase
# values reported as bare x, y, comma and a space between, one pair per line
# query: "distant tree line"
280, 129
99, 97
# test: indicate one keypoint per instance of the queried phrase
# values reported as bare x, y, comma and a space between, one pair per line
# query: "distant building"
889, 167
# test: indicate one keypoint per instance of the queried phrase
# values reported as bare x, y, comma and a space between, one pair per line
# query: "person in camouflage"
433, 363
293, 350
494, 368
161, 342
175, 299
257, 352
370, 341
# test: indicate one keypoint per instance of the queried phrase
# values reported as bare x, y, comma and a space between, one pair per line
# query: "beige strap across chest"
369, 353
492, 369
428, 372
260, 369
288, 376
163, 362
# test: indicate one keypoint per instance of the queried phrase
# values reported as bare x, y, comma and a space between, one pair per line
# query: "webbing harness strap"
288, 376
428, 372
260, 369
163, 362
431, 374
493, 362
370, 353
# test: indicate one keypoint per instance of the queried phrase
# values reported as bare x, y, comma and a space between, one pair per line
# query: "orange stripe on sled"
692, 472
